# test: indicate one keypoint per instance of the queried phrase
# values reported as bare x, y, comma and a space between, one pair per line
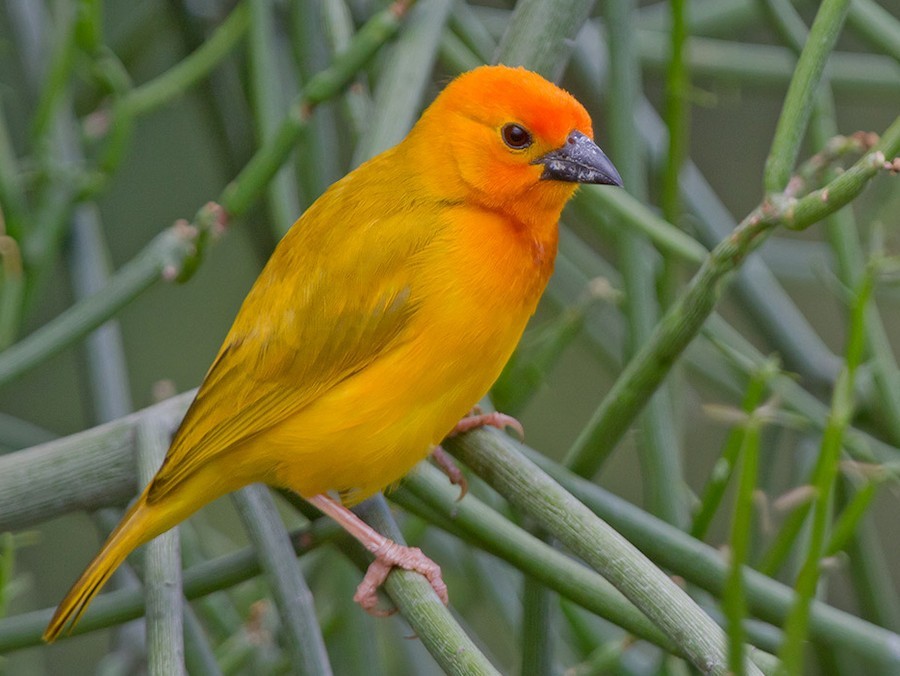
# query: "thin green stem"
847, 522
199, 658
14, 209
877, 26
766, 66
620, 207
12, 289
872, 576
59, 68
268, 105
244, 190
734, 603
537, 637
405, 76
166, 257
677, 111
824, 476
718, 17
191, 69
356, 102
714, 490
801, 95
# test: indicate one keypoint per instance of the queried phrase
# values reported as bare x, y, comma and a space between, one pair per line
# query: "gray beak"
580, 160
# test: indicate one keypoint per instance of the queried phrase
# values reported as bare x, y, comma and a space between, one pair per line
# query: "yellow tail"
140, 524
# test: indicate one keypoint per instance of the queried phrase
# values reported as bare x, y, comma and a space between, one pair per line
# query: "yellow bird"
386, 312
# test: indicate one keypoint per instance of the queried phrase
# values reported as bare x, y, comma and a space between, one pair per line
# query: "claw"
445, 462
388, 556
498, 420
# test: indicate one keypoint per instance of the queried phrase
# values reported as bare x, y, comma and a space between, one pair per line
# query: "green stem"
734, 602
191, 69
12, 289
59, 67
801, 95
605, 550
703, 566
117, 607
619, 207
768, 66
405, 77
660, 454
646, 370
714, 489
824, 476
877, 26
164, 258
14, 210
537, 637
490, 531
434, 625
162, 562
268, 106
540, 35
300, 627
677, 111
241, 193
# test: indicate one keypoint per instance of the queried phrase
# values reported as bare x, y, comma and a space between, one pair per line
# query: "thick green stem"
162, 561
300, 627
660, 452
605, 550
540, 35
434, 625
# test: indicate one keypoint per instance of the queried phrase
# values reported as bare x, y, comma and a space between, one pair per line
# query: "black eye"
515, 137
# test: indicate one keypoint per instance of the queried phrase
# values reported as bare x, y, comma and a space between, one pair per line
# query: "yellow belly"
368, 431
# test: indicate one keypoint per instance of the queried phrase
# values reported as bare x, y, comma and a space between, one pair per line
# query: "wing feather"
329, 302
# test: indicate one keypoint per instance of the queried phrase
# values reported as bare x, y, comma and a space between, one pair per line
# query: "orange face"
505, 136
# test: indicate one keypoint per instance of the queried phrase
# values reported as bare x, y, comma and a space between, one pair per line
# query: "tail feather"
137, 527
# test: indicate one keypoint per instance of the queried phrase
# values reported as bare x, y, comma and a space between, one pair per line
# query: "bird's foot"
388, 556
478, 419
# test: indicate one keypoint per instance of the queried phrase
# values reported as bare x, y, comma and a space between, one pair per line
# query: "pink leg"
478, 419
388, 554
445, 462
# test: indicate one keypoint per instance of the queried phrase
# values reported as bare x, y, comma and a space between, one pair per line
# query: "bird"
382, 317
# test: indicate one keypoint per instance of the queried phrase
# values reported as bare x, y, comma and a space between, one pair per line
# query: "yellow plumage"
384, 314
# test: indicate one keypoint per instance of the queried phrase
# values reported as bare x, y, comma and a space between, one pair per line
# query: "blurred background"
73, 162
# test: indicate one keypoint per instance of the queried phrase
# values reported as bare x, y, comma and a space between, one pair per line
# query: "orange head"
508, 139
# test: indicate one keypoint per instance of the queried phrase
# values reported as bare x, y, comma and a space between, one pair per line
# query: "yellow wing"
337, 292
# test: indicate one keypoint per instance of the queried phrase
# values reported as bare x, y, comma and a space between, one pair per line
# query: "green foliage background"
774, 437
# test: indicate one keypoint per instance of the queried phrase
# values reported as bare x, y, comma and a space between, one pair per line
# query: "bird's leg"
388, 554
445, 463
